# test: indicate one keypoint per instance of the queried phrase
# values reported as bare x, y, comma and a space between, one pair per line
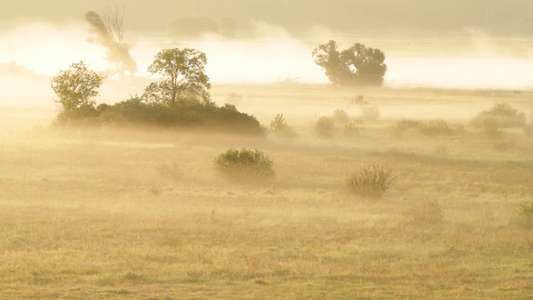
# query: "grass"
144, 214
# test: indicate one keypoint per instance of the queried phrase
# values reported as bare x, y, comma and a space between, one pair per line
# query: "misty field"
141, 213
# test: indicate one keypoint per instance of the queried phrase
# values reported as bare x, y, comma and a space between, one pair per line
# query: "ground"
142, 213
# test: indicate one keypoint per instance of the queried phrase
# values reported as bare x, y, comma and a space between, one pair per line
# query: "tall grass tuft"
370, 182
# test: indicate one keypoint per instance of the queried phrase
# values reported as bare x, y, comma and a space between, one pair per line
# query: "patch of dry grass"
143, 214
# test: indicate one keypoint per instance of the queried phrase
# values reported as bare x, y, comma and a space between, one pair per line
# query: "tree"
357, 65
76, 86
183, 74
108, 31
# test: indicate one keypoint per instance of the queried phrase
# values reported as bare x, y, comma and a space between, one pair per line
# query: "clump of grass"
244, 165
428, 212
325, 127
281, 128
370, 182
501, 115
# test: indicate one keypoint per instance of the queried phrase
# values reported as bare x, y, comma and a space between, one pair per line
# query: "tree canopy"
76, 86
357, 65
183, 74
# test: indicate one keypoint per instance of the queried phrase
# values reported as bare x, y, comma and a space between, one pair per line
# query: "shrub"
84, 114
280, 127
244, 165
370, 182
501, 115
340, 116
325, 127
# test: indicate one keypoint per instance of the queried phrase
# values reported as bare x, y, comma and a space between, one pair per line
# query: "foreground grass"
143, 215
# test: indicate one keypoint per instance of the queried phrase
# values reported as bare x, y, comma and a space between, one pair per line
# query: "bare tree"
108, 31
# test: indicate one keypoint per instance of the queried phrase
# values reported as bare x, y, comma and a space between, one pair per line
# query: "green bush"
85, 114
501, 115
244, 165
370, 182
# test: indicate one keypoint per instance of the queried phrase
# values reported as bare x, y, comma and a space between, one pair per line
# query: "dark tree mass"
357, 65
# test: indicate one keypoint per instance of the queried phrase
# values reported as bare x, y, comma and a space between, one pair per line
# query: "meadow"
141, 213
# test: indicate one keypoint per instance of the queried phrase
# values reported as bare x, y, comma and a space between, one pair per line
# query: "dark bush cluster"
184, 114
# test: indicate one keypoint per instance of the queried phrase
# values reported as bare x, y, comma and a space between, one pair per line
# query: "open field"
142, 214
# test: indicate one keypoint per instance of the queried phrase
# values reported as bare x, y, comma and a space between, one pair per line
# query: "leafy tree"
357, 65
183, 74
76, 86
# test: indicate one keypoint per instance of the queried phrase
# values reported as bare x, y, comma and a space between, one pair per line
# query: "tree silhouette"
108, 31
357, 65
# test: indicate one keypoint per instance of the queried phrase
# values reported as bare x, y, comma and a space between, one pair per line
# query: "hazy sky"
451, 43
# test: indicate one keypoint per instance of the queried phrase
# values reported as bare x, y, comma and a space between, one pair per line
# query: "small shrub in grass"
280, 127
244, 165
325, 127
370, 182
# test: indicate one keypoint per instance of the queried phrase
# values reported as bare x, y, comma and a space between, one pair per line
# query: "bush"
370, 182
341, 117
501, 115
280, 127
244, 165
85, 114
325, 127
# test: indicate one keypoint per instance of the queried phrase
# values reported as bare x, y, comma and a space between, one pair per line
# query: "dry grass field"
137, 213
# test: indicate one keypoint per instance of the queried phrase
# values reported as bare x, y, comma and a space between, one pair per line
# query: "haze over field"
454, 44
266, 149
